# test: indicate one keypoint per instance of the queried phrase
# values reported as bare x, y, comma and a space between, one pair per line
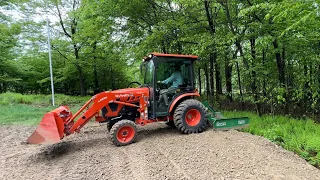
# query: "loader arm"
93, 106
84, 115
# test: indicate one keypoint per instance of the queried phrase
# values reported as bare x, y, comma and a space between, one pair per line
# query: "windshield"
147, 70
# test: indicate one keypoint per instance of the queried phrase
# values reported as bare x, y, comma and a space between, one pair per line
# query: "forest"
255, 55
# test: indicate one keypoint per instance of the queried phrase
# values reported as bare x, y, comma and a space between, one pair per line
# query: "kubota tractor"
155, 100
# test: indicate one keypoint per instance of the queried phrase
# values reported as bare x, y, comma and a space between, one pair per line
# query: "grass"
22, 114
299, 136
29, 109
40, 100
25, 114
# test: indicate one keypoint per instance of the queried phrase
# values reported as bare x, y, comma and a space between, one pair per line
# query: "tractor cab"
168, 76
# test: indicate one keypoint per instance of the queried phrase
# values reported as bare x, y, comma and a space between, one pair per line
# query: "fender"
182, 96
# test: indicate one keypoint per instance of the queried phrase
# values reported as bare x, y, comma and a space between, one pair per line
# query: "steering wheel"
161, 85
135, 82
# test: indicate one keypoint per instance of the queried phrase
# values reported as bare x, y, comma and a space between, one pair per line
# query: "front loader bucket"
217, 120
51, 128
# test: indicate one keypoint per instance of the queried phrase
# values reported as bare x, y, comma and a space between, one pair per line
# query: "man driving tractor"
176, 79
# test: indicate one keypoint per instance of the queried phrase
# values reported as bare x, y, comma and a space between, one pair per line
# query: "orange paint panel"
143, 122
126, 104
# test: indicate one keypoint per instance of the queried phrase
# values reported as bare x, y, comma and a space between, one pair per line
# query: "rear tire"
190, 116
123, 132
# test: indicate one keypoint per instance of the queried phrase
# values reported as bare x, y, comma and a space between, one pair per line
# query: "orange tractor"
163, 97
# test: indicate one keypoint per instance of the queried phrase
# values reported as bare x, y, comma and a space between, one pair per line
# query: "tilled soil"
160, 152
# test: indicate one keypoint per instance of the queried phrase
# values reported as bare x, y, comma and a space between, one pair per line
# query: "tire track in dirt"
126, 164
136, 162
169, 166
175, 165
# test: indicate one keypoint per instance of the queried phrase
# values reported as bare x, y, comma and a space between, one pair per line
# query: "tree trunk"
112, 79
233, 31
287, 94
4, 87
73, 26
207, 80
228, 75
264, 77
306, 87
1, 85
281, 71
79, 69
95, 73
164, 50
96, 82
199, 79
318, 77
239, 82
253, 79
209, 17
211, 77
218, 76
280, 64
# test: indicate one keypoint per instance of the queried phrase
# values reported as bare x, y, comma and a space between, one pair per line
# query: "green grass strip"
299, 136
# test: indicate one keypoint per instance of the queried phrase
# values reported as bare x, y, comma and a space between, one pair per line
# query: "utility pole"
50, 62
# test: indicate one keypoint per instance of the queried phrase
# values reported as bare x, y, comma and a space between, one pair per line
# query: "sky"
17, 16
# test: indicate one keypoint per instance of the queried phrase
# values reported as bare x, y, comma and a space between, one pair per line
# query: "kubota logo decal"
221, 124
241, 122
122, 95
102, 99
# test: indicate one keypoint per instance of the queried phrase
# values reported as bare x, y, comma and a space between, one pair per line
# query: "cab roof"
192, 57
175, 55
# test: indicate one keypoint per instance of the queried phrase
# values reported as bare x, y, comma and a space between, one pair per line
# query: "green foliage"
8, 41
299, 136
110, 38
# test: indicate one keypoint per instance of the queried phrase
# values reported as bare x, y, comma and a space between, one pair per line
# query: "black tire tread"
109, 125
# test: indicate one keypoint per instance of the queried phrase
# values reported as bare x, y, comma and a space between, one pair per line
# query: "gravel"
160, 152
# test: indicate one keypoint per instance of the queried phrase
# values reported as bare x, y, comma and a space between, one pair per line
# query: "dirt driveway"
160, 153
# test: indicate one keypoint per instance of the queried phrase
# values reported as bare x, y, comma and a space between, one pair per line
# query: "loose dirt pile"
160, 153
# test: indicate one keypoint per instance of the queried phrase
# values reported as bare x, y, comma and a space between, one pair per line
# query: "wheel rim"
193, 117
125, 134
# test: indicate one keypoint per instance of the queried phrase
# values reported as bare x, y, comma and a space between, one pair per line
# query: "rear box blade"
50, 129
230, 123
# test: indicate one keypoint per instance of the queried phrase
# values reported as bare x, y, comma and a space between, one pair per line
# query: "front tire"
123, 132
109, 125
190, 116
